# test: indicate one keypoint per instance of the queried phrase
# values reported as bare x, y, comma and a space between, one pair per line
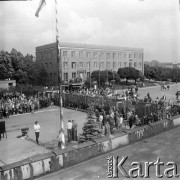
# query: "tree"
21, 76
128, 73
91, 128
104, 76
150, 72
6, 69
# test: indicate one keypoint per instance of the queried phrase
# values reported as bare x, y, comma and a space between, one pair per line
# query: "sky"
153, 25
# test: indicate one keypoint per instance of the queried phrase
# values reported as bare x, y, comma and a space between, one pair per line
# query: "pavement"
14, 149
165, 146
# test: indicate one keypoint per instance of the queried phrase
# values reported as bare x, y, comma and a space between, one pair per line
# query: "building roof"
87, 46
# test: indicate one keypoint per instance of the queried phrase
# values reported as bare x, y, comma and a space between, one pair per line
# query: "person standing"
74, 130
120, 122
37, 131
69, 130
100, 120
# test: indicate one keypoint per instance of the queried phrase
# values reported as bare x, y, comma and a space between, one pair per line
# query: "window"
130, 56
114, 64
119, 56
135, 56
125, 56
72, 53
54, 74
102, 65
87, 54
73, 75
108, 65
101, 55
130, 64
108, 55
88, 74
65, 64
139, 64
49, 55
88, 64
81, 64
135, 64
73, 65
140, 56
119, 64
65, 76
39, 56
80, 53
95, 64
95, 54
50, 65
114, 55
45, 55
125, 64
65, 53
46, 65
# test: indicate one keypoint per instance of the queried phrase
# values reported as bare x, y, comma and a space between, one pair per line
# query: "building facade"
80, 60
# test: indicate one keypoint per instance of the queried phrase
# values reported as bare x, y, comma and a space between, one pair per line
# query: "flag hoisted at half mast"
41, 5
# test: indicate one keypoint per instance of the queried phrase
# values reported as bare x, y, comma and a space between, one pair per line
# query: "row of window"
95, 65
102, 64
108, 55
48, 65
45, 55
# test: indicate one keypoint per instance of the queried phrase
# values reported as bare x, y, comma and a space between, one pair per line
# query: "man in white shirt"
69, 130
100, 120
37, 131
120, 123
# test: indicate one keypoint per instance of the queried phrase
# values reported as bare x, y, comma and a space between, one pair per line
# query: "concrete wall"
59, 159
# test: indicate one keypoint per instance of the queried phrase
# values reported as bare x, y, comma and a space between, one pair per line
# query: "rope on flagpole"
61, 136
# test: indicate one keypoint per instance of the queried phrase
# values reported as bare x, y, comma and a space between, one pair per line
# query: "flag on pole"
41, 5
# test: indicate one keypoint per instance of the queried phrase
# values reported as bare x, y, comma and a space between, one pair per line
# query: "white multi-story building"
80, 60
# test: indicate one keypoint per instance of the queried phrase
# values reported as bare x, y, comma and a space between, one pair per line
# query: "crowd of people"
14, 103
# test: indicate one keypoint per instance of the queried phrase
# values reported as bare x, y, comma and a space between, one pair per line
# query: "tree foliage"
128, 73
104, 76
91, 129
23, 69
161, 73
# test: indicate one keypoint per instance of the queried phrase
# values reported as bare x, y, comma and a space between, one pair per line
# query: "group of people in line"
11, 104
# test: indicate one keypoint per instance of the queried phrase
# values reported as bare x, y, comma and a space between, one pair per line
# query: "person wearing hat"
37, 131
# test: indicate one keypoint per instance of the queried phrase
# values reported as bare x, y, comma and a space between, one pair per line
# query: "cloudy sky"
150, 24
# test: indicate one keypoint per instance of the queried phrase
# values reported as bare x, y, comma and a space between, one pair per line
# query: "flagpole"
61, 136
